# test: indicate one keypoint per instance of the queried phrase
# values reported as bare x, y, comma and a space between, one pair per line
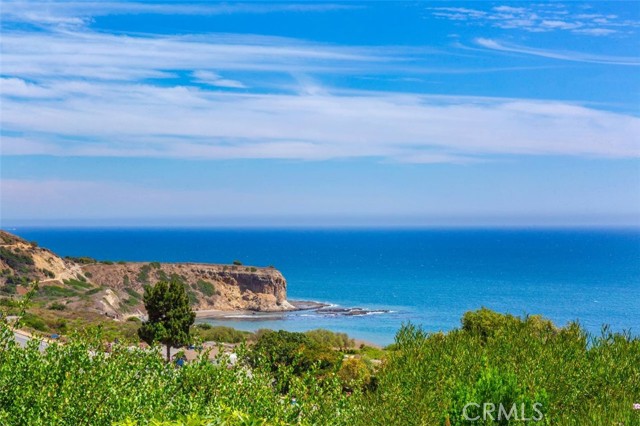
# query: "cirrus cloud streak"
115, 119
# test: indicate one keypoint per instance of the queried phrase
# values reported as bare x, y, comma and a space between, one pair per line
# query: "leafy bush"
47, 273
9, 288
143, 275
16, 259
295, 350
93, 291
132, 293
77, 284
510, 402
330, 339
15, 280
56, 291
354, 373
57, 306
208, 333
130, 302
206, 287
82, 260
33, 321
161, 275
237, 262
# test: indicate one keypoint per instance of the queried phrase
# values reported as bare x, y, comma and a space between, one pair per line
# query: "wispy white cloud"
563, 55
213, 79
80, 93
73, 14
91, 55
540, 17
595, 31
186, 122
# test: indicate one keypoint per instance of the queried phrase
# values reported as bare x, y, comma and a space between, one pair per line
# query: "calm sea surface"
428, 277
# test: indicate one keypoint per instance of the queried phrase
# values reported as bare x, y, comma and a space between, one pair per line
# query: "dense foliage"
170, 315
206, 332
424, 379
498, 359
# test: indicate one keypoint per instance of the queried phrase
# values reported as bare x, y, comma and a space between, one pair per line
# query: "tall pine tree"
170, 315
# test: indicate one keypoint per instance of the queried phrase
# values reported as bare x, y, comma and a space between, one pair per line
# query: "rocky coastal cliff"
116, 288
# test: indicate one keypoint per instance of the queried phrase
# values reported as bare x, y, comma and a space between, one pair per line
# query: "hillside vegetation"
292, 379
74, 288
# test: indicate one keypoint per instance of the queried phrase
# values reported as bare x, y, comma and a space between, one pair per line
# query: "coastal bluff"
115, 288
209, 286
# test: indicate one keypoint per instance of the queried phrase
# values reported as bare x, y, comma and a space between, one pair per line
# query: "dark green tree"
170, 315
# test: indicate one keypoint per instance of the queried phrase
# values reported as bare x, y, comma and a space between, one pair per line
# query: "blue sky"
320, 114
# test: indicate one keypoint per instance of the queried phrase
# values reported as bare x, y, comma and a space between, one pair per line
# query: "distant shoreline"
299, 305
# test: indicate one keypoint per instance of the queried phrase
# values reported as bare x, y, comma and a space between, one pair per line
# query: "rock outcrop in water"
116, 288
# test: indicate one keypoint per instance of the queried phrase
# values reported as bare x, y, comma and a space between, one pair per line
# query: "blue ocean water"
429, 277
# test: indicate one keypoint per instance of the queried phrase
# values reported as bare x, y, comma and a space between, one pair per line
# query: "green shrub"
34, 321
16, 260
56, 291
330, 339
237, 262
355, 373
57, 306
295, 350
206, 288
143, 275
161, 275
47, 273
130, 302
82, 260
9, 288
193, 297
93, 291
77, 284
134, 294
208, 333
510, 402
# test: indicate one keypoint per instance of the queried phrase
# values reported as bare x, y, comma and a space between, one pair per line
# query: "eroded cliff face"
116, 289
221, 287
